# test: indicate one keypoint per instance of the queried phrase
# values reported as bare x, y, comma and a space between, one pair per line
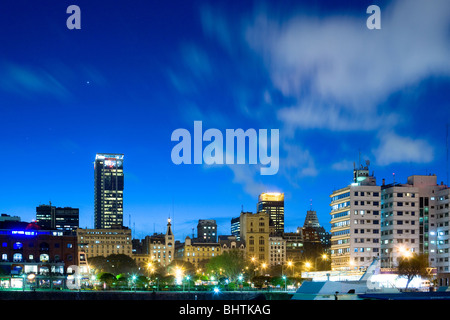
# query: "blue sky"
136, 71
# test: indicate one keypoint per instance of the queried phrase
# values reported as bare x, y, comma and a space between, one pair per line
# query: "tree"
106, 277
231, 263
114, 263
122, 281
98, 263
261, 281
411, 267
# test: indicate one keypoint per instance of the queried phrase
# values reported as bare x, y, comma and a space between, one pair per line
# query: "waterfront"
142, 295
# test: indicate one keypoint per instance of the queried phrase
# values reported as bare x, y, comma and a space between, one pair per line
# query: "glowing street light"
263, 267
285, 284
405, 253
178, 275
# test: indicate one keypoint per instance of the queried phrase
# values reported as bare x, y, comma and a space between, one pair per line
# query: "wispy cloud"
398, 149
342, 64
327, 74
338, 74
26, 81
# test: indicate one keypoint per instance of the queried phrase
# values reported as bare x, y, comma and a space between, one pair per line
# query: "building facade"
236, 227
161, 247
255, 232
50, 217
104, 242
442, 234
197, 253
231, 242
207, 231
108, 191
399, 223
413, 220
277, 251
355, 222
26, 249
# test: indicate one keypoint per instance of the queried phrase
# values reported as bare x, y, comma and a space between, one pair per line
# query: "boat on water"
363, 289
342, 290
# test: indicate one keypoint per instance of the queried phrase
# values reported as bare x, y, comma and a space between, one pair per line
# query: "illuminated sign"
23, 232
105, 156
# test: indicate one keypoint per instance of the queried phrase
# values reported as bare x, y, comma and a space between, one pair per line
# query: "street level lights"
323, 256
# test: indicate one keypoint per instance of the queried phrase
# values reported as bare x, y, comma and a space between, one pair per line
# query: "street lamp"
241, 277
188, 278
263, 267
133, 278
24, 281
323, 256
150, 268
285, 285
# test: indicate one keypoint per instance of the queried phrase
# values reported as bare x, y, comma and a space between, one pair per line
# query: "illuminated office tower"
109, 183
51, 217
273, 204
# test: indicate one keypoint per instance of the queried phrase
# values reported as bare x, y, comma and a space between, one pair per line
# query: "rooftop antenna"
359, 158
310, 200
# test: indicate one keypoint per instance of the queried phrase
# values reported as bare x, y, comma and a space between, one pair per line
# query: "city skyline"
338, 92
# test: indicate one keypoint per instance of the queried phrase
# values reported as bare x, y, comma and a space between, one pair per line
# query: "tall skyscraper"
109, 185
273, 204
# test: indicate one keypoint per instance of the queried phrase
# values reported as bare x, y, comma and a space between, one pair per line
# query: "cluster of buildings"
54, 245
368, 221
389, 222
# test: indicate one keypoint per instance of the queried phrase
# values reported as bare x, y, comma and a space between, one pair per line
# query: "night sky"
338, 93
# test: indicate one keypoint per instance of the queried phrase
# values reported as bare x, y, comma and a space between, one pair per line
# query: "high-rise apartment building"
355, 222
399, 223
273, 204
109, 185
410, 213
441, 236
